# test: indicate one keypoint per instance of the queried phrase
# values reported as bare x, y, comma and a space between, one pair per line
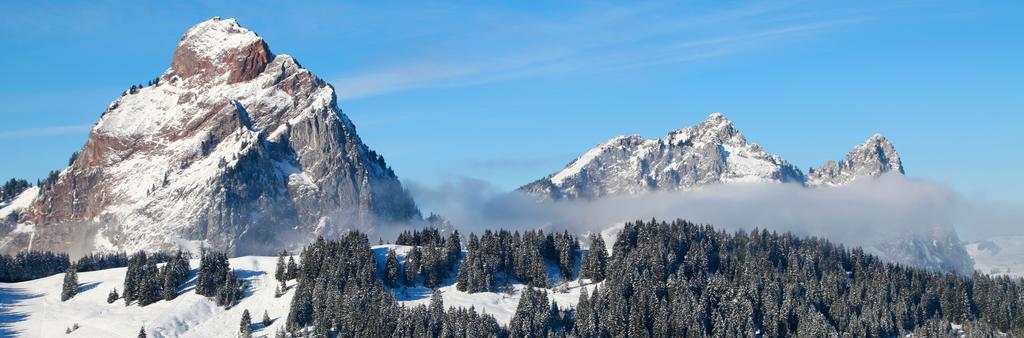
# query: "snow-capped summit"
233, 147
219, 50
874, 157
713, 151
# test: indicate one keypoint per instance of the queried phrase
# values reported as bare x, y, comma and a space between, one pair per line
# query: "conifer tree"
412, 266
281, 273
134, 277
70, 287
112, 296
393, 276
150, 284
142, 332
453, 246
175, 273
533, 315
230, 292
293, 268
245, 327
266, 319
597, 259
213, 273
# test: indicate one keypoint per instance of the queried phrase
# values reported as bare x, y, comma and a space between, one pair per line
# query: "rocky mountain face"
233, 147
874, 157
714, 151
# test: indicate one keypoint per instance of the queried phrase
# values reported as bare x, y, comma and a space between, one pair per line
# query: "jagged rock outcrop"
234, 147
874, 157
713, 151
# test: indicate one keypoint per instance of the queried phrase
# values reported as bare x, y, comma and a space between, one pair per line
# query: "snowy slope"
19, 203
34, 309
501, 305
1002, 256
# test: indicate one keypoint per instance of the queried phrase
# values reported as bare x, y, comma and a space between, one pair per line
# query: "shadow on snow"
9, 298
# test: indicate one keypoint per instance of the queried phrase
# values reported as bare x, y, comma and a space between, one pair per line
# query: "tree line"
664, 279
29, 265
12, 188
497, 259
430, 261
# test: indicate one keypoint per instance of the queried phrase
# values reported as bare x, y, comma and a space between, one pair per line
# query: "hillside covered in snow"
661, 279
34, 308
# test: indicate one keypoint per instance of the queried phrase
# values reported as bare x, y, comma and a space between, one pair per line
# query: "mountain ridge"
711, 151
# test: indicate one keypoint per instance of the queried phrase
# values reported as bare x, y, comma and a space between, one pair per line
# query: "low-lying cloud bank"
867, 211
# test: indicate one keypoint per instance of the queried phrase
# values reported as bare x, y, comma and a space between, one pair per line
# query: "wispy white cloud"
26, 133
595, 40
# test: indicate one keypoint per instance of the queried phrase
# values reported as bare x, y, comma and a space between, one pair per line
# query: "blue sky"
509, 92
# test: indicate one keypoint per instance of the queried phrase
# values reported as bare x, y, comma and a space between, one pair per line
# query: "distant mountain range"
715, 152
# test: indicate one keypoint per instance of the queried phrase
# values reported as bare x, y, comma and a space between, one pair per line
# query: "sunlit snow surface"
999, 255
19, 202
34, 309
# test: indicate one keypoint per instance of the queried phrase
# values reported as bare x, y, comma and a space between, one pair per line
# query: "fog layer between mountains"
867, 211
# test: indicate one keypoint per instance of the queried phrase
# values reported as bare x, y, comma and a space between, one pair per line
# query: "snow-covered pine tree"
70, 287
175, 273
245, 326
213, 272
150, 284
281, 272
597, 259
266, 319
533, 315
293, 268
412, 266
566, 247
393, 276
134, 276
453, 246
112, 296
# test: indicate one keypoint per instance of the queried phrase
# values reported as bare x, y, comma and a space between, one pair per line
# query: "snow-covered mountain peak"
233, 147
874, 157
214, 36
711, 151
219, 49
716, 129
